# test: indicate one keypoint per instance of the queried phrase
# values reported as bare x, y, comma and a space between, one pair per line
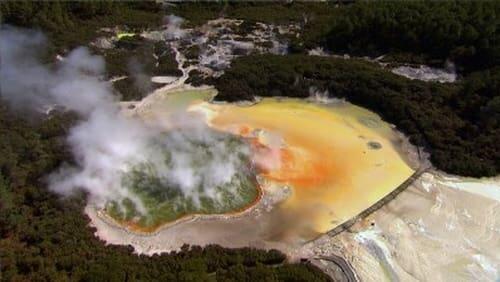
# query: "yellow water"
321, 152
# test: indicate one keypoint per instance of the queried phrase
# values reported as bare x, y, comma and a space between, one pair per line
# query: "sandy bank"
433, 231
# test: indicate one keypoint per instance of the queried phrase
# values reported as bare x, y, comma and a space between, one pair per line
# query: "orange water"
321, 152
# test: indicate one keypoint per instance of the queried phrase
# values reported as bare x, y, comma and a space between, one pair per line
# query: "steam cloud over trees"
105, 144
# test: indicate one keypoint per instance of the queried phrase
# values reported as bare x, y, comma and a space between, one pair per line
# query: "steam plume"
174, 30
105, 144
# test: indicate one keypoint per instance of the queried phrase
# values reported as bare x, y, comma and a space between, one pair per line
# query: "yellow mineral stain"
322, 154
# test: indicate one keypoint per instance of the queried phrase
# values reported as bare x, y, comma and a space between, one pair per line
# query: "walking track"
344, 226
341, 262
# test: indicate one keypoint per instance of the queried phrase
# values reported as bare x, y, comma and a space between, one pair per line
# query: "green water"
164, 201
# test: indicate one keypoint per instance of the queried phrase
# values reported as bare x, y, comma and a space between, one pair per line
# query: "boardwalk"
346, 225
347, 271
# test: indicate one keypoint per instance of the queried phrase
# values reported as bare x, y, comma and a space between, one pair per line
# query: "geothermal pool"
337, 159
333, 160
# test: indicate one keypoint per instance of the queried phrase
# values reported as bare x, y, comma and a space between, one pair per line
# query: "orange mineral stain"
321, 152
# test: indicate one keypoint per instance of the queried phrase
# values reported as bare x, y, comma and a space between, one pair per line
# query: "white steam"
141, 80
323, 96
105, 143
174, 30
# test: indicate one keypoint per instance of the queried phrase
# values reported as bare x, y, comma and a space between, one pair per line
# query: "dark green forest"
458, 123
465, 32
69, 24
